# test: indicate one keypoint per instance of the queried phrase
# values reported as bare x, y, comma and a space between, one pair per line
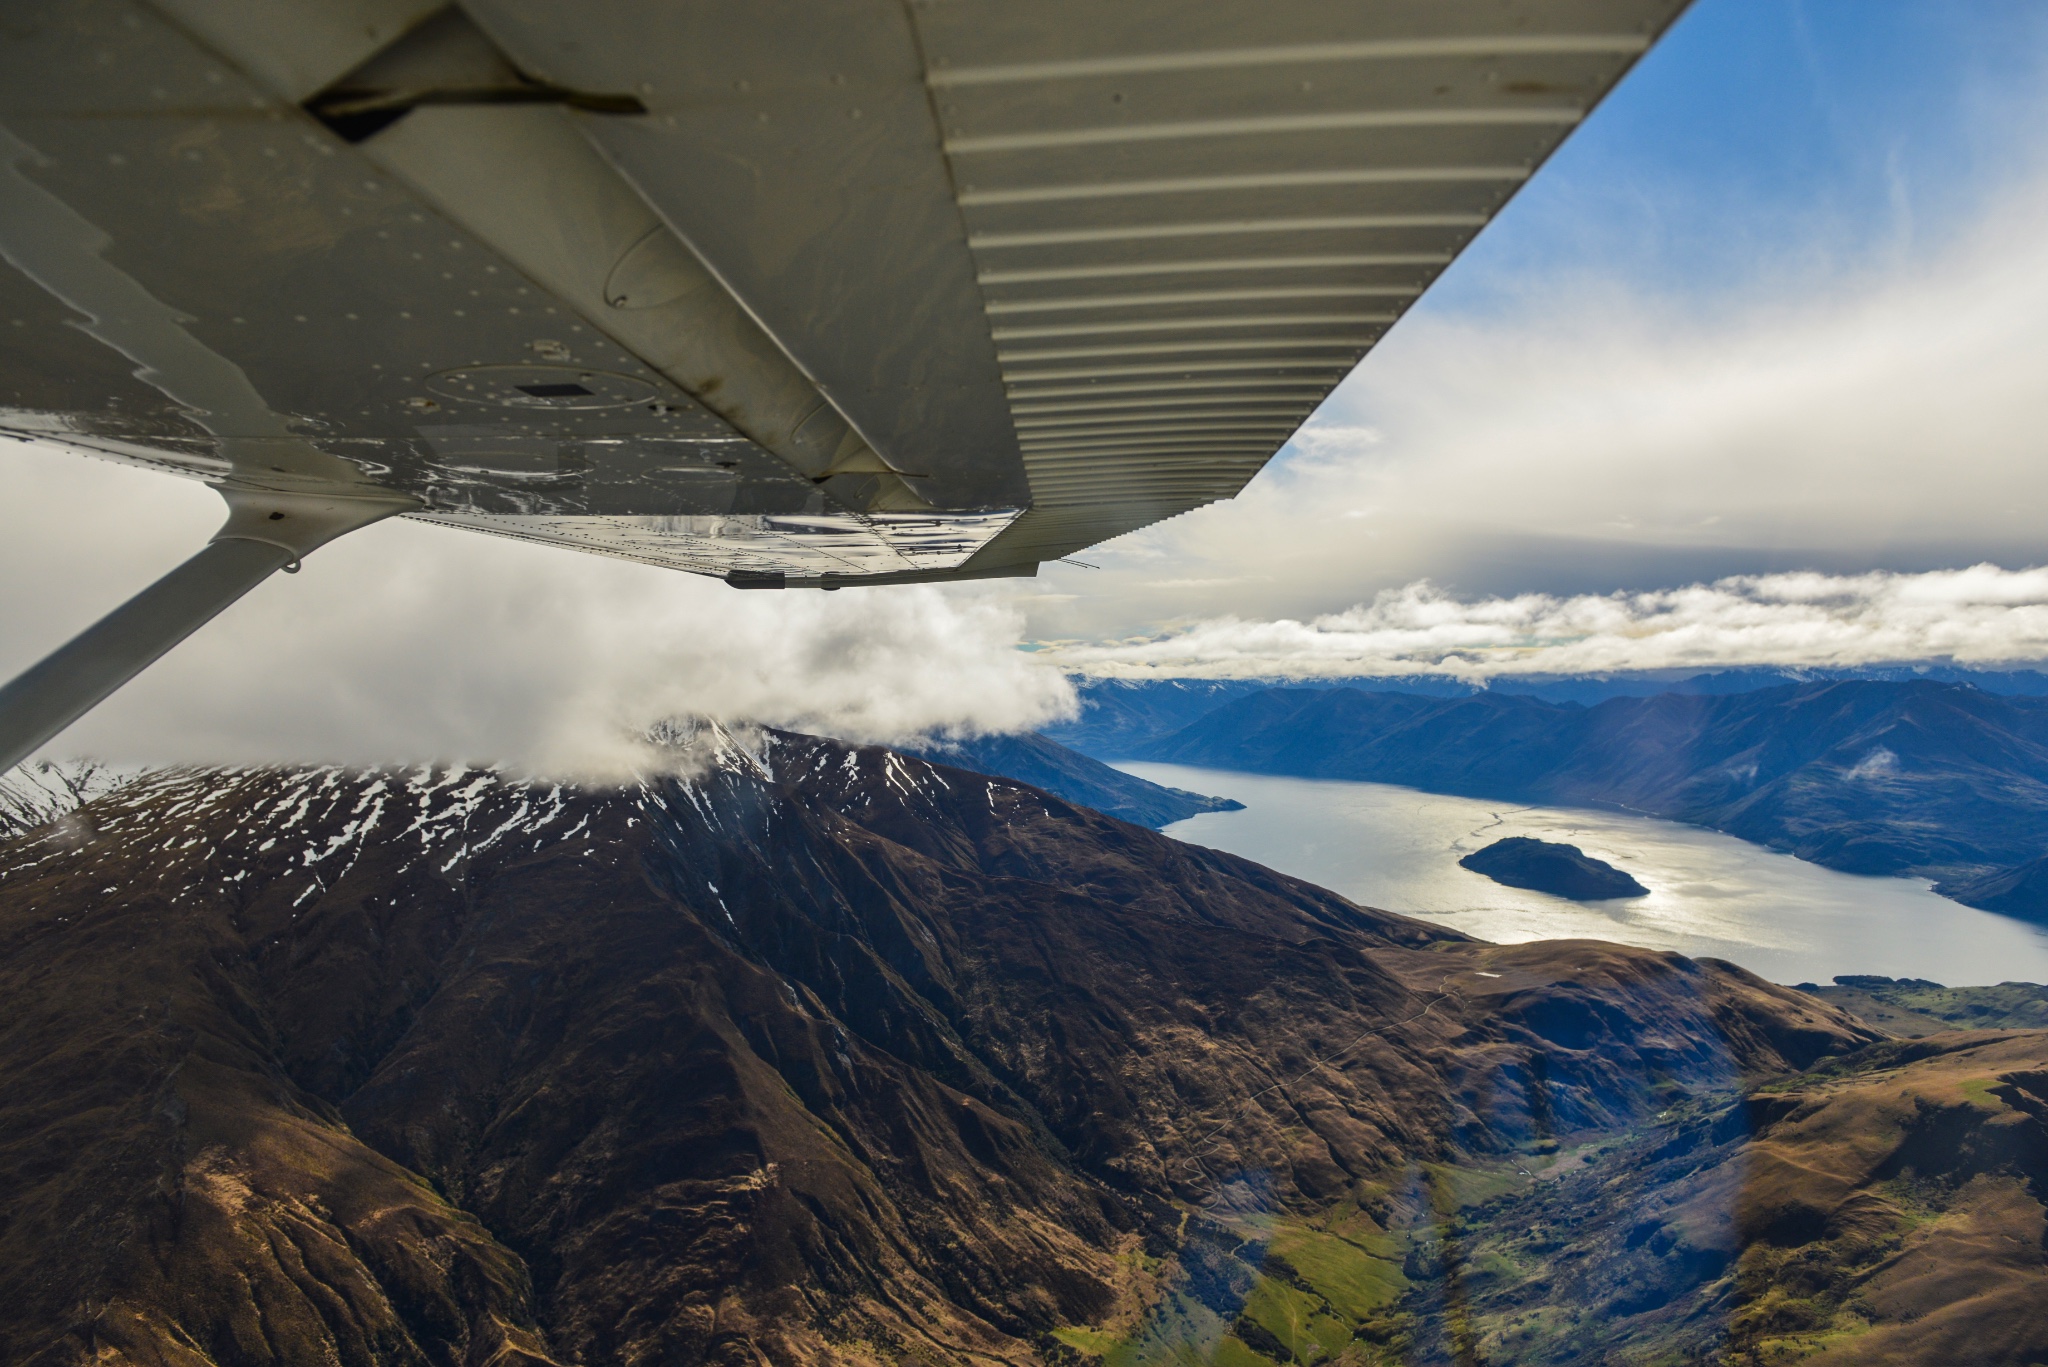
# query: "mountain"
1119, 718
36, 794
1590, 689
1873, 777
1914, 1007
1882, 1208
2021, 890
1046, 764
805, 1054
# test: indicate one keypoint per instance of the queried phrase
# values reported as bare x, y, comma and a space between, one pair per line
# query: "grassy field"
1308, 1284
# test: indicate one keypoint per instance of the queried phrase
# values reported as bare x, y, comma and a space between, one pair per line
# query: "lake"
1710, 894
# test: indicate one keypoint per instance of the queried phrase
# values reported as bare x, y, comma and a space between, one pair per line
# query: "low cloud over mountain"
410, 643
1982, 615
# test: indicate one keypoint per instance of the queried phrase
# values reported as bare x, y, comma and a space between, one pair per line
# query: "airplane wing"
792, 292
788, 291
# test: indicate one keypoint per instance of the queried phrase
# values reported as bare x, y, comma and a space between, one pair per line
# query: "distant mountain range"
1942, 780
1119, 717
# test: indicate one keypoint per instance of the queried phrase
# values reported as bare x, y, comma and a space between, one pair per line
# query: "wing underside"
791, 292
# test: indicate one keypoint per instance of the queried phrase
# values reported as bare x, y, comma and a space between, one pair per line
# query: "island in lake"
1544, 866
1946, 781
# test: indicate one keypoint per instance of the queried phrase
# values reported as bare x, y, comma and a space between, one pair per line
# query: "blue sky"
1761, 136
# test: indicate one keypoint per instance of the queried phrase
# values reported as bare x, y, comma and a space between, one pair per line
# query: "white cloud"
407, 642
1983, 615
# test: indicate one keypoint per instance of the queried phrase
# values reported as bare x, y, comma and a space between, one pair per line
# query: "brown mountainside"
1882, 1208
821, 1055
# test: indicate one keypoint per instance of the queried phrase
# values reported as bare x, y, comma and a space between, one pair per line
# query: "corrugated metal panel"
1190, 222
799, 288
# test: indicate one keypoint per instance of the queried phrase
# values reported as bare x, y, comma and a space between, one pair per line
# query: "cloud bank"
406, 642
1983, 615
1581, 436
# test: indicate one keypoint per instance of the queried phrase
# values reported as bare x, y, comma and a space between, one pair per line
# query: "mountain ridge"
1045, 763
808, 1054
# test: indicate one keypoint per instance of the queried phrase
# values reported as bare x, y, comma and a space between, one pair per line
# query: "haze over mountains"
1944, 780
830, 1055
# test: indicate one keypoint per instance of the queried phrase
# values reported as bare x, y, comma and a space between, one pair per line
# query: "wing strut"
265, 532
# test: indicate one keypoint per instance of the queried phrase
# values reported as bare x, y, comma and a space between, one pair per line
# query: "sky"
1751, 372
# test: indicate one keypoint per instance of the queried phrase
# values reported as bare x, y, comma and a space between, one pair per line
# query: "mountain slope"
814, 1055
1087, 782
1914, 1007
1869, 777
1118, 716
1882, 1209
2018, 890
